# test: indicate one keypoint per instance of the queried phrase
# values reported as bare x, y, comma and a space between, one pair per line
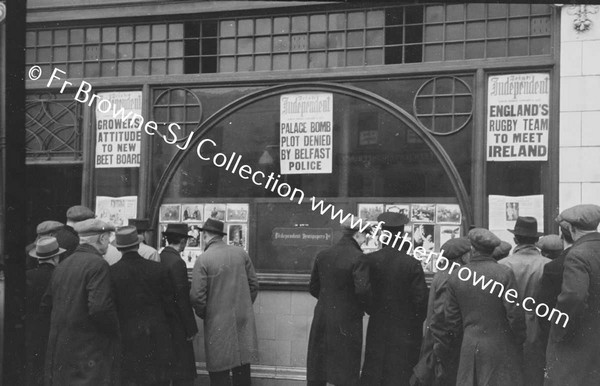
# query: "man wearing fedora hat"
527, 264
573, 353
144, 301
397, 310
83, 345
144, 229
37, 324
224, 287
184, 325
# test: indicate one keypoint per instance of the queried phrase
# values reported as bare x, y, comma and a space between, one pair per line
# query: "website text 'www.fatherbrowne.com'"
233, 164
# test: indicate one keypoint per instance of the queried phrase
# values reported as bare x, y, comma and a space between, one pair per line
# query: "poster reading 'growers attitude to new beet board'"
306, 133
518, 115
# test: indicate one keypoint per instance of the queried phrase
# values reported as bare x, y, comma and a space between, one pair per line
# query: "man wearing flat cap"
184, 327
83, 345
527, 264
37, 324
573, 353
493, 329
340, 282
397, 310
458, 251
224, 287
144, 301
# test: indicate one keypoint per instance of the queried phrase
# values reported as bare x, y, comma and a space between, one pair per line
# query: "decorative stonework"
582, 21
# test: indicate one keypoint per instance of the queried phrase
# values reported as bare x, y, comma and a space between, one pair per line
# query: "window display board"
430, 226
234, 215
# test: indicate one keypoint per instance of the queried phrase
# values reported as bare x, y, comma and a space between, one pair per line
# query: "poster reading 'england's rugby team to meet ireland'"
518, 115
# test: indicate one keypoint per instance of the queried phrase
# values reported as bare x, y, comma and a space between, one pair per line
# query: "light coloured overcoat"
573, 354
527, 264
224, 286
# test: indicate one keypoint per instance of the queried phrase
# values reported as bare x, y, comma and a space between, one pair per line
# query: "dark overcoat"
493, 328
184, 324
83, 345
550, 287
397, 311
224, 286
37, 324
340, 282
573, 354
425, 368
144, 298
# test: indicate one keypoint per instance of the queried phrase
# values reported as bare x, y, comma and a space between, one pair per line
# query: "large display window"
381, 157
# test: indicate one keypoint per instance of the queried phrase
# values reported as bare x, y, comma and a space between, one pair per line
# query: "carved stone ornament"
582, 22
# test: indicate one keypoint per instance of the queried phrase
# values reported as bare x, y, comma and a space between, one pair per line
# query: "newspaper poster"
518, 121
504, 211
116, 210
306, 133
118, 133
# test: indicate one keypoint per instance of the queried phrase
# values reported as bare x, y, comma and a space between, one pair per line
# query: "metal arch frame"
342, 89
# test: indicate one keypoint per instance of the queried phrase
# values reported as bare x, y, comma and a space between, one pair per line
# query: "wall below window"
283, 321
579, 112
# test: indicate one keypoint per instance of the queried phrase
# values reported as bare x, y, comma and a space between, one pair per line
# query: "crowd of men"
455, 333
102, 312
117, 312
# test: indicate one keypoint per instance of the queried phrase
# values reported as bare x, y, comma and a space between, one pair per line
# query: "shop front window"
377, 161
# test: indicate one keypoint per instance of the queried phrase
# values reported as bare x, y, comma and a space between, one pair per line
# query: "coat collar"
87, 248
131, 255
349, 240
214, 241
526, 249
587, 238
171, 249
479, 256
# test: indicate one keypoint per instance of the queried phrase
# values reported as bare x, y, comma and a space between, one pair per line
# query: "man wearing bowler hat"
224, 286
573, 354
527, 264
144, 301
83, 345
142, 225
397, 310
37, 324
184, 326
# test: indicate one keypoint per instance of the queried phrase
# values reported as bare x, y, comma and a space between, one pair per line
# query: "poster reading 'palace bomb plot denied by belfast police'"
306, 133
518, 117
118, 133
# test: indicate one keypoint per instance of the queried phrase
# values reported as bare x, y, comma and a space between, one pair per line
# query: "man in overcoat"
340, 282
573, 353
224, 287
493, 329
454, 250
184, 325
397, 310
83, 345
527, 264
551, 281
37, 324
144, 300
